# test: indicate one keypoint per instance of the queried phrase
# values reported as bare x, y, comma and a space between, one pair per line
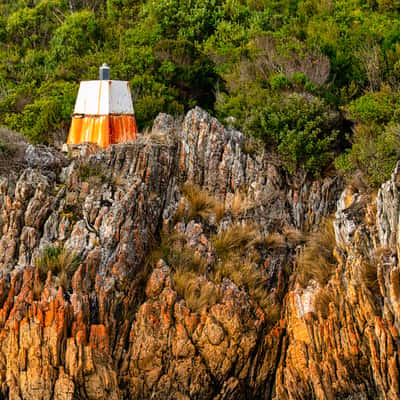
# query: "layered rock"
118, 325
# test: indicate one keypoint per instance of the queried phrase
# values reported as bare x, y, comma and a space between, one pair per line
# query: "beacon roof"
104, 97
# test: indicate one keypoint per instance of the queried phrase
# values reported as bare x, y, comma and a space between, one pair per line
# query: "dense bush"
281, 69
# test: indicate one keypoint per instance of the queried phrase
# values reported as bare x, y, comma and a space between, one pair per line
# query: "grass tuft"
322, 300
317, 261
241, 203
199, 204
198, 292
233, 240
177, 255
369, 275
93, 173
60, 261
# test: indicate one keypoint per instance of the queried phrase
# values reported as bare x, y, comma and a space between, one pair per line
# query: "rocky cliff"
188, 265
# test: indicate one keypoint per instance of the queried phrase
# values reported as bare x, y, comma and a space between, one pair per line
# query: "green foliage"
279, 81
79, 33
376, 107
282, 69
304, 130
49, 112
374, 152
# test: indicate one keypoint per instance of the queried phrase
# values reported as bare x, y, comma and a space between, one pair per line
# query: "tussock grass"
198, 292
293, 236
173, 251
246, 274
189, 269
369, 275
322, 300
241, 203
199, 204
233, 240
317, 260
61, 262
238, 261
271, 241
93, 173
156, 137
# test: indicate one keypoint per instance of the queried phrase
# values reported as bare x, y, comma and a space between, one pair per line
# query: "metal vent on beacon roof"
104, 72
103, 112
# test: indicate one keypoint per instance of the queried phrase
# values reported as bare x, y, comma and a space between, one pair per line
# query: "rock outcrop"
170, 268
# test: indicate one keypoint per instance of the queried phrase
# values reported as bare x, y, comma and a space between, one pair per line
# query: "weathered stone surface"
116, 330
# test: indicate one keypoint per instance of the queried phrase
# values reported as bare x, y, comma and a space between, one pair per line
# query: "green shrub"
80, 33
43, 112
304, 130
376, 107
374, 152
279, 81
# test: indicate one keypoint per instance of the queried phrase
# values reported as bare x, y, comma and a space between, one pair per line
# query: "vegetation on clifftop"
317, 80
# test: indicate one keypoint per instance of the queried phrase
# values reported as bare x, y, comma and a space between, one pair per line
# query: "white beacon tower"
103, 112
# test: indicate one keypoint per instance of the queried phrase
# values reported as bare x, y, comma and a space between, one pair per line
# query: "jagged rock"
44, 158
113, 328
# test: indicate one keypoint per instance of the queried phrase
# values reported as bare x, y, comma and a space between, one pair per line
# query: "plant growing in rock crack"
61, 262
239, 262
241, 203
177, 255
234, 239
317, 261
198, 292
322, 300
189, 269
369, 275
198, 204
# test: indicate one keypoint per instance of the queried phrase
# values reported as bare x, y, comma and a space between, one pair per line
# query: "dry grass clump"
246, 274
174, 252
238, 261
233, 240
154, 137
61, 262
293, 236
241, 203
188, 273
369, 275
322, 300
198, 292
119, 180
199, 204
369, 268
317, 260
271, 241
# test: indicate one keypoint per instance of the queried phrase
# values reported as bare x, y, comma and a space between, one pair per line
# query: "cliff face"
171, 268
